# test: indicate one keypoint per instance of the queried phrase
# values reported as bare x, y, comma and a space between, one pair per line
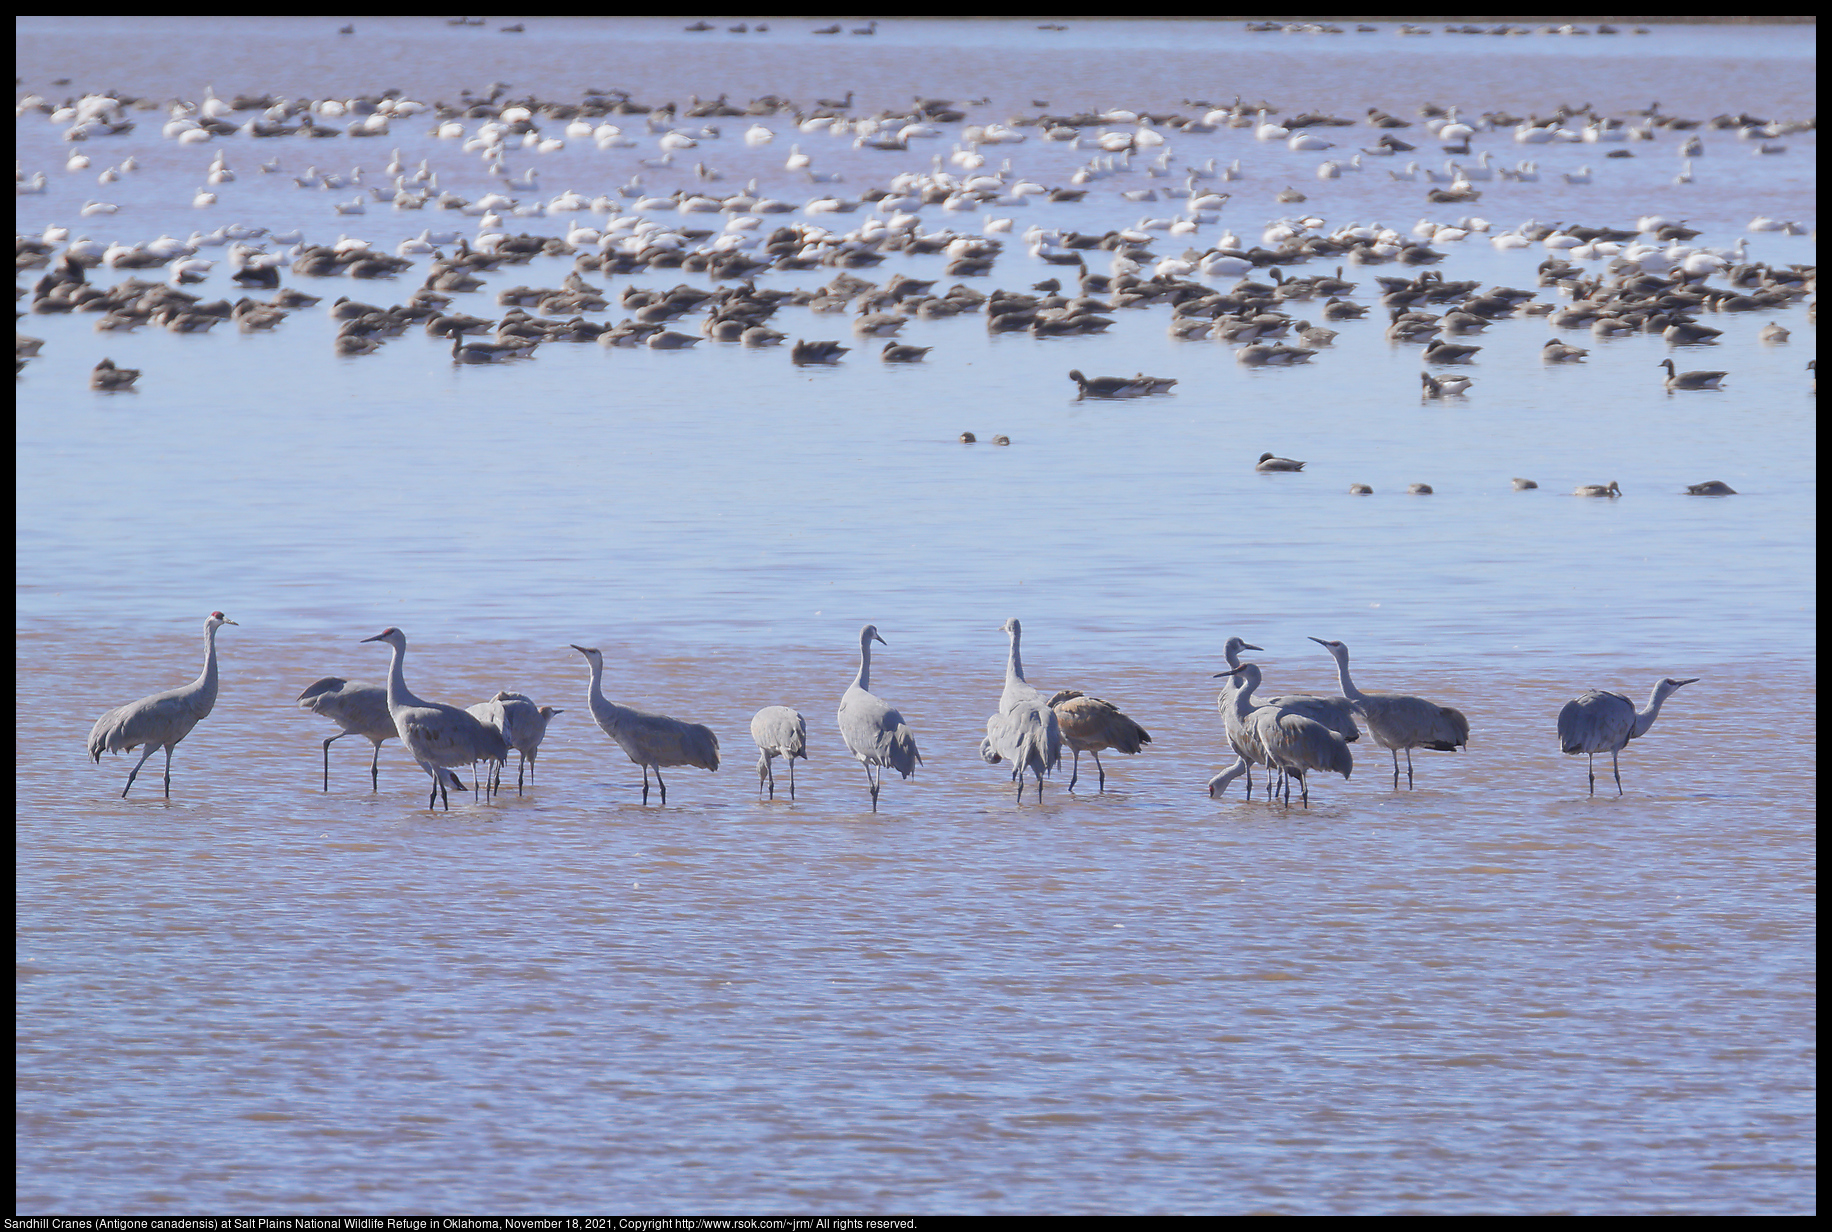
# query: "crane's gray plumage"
875, 732
1090, 724
1600, 721
1399, 720
522, 725
650, 740
1230, 719
361, 709
1284, 739
435, 734
1025, 731
780, 731
162, 720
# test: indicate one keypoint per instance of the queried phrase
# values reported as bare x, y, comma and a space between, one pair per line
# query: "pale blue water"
1491, 994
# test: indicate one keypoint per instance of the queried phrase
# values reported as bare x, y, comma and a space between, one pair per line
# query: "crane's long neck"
398, 693
1342, 673
1644, 719
205, 688
594, 694
1247, 681
863, 681
1014, 664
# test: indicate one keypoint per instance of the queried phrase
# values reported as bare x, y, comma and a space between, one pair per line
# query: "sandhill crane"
874, 731
1025, 731
522, 725
778, 731
435, 734
650, 740
1600, 721
1230, 722
1335, 713
361, 709
1090, 724
1285, 739
162, 720
1399, 720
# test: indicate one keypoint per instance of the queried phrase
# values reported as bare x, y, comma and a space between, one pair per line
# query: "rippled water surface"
1491, 993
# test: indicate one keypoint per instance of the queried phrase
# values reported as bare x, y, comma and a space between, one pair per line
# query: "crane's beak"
1232, 672
878, 639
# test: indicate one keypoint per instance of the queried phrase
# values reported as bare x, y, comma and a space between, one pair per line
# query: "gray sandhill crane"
438, 736
1090, 724
361, 709
1399, 720
780, 731
1335, 713
650, 740
1602, 722
1284, 739
1230, 722
873, 730
1025, 731
522, 724
162, 720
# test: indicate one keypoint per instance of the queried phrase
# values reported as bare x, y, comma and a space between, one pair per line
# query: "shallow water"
1490, 993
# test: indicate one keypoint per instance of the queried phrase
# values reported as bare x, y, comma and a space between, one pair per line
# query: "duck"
108, 377
1108, 386
903, 353
1711, 487
1556, 352
1524, 485
1444, 386
1691, 380
1360, 489
1270, 463
1420, 489
816, 352
1611, 489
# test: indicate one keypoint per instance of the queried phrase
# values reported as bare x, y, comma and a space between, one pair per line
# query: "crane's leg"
1100, 770
168, 773
1593, 774
873, 784
131, 774
791, 761
645, 784
1616, 769
1038, 771
375, 771
1074, 769
1408, 770
660, 784
327, 758
1395, 753
521, 772
1304, 789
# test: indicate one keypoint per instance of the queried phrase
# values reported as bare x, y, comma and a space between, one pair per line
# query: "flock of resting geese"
1610, 281
1288, 736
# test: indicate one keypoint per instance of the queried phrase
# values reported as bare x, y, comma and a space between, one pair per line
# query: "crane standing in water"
1602, 722
162, 720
